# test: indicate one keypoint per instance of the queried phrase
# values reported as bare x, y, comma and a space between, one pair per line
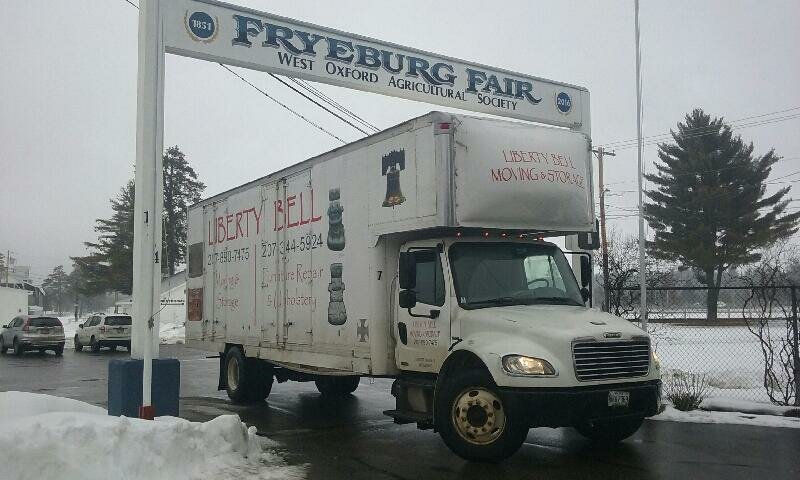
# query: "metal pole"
149, 199
642, 285
795, 348
601, 152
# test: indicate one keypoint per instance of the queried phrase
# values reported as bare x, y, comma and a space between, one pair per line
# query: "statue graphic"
335, 227
337, 314
391, 165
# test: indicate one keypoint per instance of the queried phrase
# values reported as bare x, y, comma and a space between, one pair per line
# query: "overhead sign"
247, 38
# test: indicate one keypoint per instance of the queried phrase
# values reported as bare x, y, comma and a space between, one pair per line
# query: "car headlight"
522, 365
656, 360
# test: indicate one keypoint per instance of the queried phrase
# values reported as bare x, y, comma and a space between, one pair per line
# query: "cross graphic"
363, 330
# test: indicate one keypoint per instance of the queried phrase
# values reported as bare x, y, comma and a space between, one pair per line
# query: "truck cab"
495, 336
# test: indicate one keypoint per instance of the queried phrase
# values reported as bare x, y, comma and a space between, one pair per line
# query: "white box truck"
417, 254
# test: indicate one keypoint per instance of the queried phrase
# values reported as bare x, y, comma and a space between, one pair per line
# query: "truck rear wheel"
474, 420
246, 379
337, 386
609, 431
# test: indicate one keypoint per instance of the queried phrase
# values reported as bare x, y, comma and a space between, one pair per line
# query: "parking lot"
352, 439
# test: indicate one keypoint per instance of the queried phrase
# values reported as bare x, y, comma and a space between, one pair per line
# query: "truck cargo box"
299, 266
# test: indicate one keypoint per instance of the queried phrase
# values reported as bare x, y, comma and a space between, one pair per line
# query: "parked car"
32, 333
101, 330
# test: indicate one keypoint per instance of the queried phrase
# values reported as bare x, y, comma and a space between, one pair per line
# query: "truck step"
423, 420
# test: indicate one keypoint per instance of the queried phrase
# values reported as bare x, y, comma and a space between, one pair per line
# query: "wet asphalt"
351, 439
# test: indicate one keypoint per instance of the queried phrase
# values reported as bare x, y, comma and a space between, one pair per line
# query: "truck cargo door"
295, 216
423, 331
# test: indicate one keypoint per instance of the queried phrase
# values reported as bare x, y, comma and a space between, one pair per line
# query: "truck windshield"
497, 274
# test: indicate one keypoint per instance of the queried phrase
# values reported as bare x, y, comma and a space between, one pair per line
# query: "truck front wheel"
337, 386
474, 420
246, 379
609, 431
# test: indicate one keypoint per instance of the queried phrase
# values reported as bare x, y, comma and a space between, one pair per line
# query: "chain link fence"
743, 341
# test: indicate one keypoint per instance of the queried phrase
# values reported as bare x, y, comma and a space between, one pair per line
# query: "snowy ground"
52, 437
736, 418
729, 356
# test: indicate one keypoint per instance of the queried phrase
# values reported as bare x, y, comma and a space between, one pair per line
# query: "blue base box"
125, 386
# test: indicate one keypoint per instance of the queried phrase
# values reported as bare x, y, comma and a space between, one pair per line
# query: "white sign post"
232, 35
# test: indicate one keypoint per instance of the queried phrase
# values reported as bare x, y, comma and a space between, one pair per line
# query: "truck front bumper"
566, 407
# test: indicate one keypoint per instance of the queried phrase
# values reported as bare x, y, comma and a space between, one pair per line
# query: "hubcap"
233, 374
479, 416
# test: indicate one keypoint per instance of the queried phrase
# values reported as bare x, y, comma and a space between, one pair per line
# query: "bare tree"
623, 275
768, 311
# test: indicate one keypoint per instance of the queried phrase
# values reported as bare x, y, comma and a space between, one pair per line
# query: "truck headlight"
656, 360
522, 365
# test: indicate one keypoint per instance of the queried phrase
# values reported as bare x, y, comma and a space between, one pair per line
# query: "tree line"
108, 264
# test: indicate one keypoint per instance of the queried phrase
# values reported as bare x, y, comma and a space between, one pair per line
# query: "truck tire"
261, 379
475, 421
331, 386
247, 380
609, 431
59, 350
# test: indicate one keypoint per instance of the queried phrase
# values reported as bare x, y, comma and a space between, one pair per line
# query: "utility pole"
600, 152
640, 172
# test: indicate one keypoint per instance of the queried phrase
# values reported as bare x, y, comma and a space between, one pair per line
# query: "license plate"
618, 398
120, 329
44, 331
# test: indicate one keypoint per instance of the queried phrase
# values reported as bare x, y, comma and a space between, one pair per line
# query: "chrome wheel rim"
479, 416
233, 373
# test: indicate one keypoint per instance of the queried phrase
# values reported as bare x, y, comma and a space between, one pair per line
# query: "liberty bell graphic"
392, 164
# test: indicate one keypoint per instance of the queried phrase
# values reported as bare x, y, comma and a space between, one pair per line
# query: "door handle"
403, 331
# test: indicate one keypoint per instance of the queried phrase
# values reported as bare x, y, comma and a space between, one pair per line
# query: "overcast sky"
68, 86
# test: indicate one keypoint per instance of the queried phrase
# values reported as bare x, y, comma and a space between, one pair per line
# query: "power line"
280, 103
325, 98
690, 130
697, 135
132, 4
318, 104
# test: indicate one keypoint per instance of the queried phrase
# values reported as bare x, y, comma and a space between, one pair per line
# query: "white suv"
104, 330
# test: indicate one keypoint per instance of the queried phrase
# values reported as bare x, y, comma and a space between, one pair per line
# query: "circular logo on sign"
201, 26
563, 102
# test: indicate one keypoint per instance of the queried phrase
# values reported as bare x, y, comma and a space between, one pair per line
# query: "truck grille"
611, 360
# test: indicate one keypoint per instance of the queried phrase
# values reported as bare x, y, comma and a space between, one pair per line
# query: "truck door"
423, 332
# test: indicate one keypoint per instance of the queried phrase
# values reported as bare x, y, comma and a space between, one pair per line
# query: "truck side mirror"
586, 271
585, 294
408, 298
407, 271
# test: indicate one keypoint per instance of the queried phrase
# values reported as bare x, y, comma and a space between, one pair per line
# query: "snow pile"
170, 333
736, 418
745, 406
51, 437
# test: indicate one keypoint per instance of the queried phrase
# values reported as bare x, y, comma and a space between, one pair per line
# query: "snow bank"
744, 406
170, 333
736, 418
52, 437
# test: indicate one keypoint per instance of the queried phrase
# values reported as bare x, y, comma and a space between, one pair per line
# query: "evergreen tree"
709, 209
57, 288
181, 189
109, 266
